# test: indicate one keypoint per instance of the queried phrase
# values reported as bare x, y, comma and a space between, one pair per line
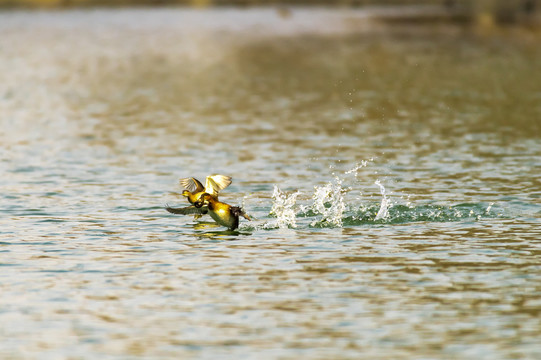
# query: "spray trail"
341, 203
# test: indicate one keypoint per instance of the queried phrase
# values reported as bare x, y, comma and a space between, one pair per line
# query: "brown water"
103, 110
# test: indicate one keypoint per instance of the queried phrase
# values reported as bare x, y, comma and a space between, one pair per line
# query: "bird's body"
194, 189
224, 214
204, 200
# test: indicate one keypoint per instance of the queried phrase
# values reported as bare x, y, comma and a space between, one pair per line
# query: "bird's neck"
211, 204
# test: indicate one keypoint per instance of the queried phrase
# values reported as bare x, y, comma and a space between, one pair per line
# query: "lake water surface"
393, 173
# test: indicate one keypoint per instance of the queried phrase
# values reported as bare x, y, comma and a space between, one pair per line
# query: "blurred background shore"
487, 13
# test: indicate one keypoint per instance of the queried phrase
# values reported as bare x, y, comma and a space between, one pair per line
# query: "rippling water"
393, 174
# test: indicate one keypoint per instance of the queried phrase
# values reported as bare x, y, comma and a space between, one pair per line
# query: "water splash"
283, 207
338, 204
329, 202
383, 211
357, 167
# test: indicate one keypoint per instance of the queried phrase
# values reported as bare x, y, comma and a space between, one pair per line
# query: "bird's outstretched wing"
191, 184
216, 183
188, 210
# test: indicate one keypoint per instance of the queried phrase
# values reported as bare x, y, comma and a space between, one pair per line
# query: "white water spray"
329, 202
383, 211
283, 208
357, 167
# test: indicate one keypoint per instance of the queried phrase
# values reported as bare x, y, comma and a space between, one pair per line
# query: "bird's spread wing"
192, 185
216, 183
188, 210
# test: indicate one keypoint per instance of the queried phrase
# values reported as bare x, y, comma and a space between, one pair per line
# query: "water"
393, 174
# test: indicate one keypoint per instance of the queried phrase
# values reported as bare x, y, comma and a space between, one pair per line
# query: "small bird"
222, 213
213, 185
194, 188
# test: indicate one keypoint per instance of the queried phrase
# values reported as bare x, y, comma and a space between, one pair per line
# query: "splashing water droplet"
283, 208
329, 202
357, 167
385, 203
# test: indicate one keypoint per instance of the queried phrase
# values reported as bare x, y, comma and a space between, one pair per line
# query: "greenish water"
392, 171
